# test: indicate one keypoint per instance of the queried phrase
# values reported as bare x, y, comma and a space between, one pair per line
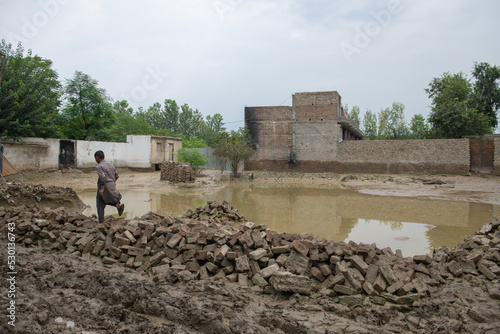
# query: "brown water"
415, 226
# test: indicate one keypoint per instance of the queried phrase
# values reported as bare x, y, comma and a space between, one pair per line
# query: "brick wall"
271, 129
450, 156
440, 156
496, 157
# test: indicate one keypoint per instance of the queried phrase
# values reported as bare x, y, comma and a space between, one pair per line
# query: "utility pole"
3, 65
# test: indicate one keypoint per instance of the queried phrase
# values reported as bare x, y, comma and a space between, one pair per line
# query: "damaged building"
306, 133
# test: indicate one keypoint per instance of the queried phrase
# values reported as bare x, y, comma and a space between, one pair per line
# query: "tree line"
460, 106
35, 103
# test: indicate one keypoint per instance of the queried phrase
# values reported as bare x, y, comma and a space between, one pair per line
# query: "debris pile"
215, 212
16, 193
202, 244
176, 172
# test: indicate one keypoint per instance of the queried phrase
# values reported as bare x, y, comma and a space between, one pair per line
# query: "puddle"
415, 226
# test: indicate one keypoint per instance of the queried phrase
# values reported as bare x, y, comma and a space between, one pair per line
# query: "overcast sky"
220, 55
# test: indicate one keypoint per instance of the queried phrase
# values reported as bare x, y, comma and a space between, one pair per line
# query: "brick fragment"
359, 264
129, 236
344, 290
242, 264
108, 260
299, 247
257, 254
395, 287
174, 240
486, 272
288, 282
380, 284
221, 253
268, 271
388, 274
317, 274
332, 280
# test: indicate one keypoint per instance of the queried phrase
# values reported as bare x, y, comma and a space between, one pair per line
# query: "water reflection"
415, 226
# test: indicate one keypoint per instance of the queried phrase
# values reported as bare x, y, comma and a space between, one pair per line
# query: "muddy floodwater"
415, 226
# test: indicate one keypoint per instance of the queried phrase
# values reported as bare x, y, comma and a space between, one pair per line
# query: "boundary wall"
43, 154
433, 156
496, 157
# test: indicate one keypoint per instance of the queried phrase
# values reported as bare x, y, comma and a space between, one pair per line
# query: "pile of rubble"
215, 212
201, 245
16, 193
176, 172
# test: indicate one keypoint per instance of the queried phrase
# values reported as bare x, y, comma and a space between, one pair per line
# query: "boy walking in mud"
107, 194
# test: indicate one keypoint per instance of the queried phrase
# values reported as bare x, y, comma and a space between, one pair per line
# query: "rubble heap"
176, 172
15, 193
199, 246
215, 212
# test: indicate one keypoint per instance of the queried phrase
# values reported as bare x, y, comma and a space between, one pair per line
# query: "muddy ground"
478, 188
58, 293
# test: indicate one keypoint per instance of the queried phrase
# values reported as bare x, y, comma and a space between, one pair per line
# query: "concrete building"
140, 151
309, 130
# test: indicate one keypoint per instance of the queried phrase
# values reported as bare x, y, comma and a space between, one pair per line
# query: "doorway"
66, 154
481, 155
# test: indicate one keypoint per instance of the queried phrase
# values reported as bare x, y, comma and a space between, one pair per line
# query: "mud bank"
197, 274
15, 194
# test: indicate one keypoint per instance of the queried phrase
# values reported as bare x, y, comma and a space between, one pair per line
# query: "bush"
194, 157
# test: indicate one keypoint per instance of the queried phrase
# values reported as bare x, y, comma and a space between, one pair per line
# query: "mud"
67, 293
15, 194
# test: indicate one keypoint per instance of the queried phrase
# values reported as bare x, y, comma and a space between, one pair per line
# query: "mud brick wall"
449, 156
496, 157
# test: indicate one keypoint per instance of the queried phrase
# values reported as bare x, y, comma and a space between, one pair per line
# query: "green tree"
370, 125
87, 113
171, 115
192, 156
194, 142
486, 98
154, 116
234, 147
126, 123
419, 127
190, 121
212, 128
30, 94
391, 122
452, 109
